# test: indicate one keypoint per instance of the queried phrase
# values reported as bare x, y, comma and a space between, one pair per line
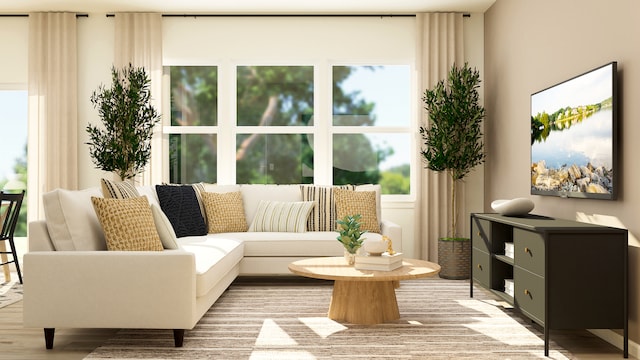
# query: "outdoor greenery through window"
371, 132
270, 97
13, 162
275, 134
194, 103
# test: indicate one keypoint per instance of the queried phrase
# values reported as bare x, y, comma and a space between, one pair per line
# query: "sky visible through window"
389, 87
13, 124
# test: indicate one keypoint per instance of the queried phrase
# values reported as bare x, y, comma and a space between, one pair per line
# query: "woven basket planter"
454, 258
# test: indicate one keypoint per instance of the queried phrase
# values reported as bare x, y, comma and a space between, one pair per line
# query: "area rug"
10, 292
284, 319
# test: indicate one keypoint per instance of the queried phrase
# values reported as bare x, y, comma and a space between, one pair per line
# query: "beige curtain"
138, 40
440, 45
53, 105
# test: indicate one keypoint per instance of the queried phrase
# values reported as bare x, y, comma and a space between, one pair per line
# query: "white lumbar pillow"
513, 207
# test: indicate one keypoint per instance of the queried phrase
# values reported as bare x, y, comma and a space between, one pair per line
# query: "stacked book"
508, 249
384, 262
508, 287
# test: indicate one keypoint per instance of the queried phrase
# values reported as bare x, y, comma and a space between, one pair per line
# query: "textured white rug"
280, 319
10, 292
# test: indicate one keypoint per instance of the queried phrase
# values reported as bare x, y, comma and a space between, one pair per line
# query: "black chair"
10, 208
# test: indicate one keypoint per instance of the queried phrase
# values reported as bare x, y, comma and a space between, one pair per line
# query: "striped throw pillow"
282, 216
323, 215
118, 190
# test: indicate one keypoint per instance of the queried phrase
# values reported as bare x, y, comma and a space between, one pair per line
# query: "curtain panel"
53, 105
440, 45
138, 41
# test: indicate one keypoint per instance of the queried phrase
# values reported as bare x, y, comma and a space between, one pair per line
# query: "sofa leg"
178, 337
48, 337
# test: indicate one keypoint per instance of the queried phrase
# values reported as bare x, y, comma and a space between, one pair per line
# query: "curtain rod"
289, 15
282, 15
27, 15
255, 15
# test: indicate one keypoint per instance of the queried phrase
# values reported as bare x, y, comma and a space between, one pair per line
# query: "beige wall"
533, 44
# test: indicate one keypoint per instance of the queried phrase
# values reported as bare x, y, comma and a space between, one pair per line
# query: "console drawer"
529, 251
480, 267
480, 234
529, 294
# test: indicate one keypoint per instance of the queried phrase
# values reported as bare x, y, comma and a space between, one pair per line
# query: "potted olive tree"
453, 144
123, 144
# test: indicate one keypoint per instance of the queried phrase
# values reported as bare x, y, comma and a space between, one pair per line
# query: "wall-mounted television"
574, 136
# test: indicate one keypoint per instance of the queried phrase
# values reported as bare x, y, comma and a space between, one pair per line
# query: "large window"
274, 107
371, 126
272, 132
194, 115
13, 162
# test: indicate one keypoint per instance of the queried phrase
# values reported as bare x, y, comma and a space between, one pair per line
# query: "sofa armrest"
39, 239
394, 232
110, 289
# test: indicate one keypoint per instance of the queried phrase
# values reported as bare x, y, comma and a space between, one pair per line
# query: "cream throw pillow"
282, 216
165, 229
127, 223
349, 202
225, 212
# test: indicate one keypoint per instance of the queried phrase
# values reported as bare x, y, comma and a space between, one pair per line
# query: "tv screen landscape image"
573, 136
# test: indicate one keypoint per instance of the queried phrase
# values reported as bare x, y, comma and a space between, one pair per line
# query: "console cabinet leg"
178, 337
48, 337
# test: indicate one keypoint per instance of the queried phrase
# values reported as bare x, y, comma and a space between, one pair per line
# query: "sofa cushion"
323, 215
282, 216
71, 221
118, 189
289, 244
214, 257
225, 212
165, 229
150, 192
180, 204
128, 224
349, 202
252, 194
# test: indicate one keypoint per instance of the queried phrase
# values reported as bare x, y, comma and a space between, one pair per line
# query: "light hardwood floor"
18, 343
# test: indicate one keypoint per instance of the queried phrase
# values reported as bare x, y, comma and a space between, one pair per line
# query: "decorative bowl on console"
513, 207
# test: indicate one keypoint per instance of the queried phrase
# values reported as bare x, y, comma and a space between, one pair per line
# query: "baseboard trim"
617, 340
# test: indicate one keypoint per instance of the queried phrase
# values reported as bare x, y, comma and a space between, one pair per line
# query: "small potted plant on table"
350, 236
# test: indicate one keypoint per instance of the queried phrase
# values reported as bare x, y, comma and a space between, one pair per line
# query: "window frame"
322, 129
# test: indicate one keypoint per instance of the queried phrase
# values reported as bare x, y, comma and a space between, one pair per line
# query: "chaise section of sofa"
72, 281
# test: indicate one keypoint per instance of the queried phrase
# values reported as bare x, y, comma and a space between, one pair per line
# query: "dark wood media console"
564, 274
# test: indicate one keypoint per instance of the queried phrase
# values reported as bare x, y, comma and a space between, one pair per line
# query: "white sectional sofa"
72, 281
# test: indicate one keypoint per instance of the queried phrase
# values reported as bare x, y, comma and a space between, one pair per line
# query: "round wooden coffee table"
362, 296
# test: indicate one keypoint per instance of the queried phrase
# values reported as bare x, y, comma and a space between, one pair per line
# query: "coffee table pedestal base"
364, 302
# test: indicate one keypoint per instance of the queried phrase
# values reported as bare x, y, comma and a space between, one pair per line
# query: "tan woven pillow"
127, 224
349, 202
225, 212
